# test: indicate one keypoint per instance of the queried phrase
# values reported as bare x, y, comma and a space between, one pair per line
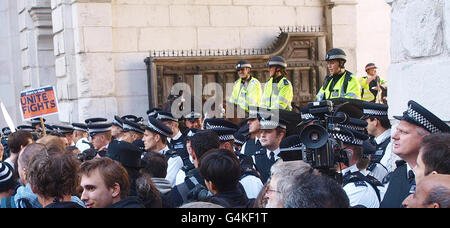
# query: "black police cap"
420, 116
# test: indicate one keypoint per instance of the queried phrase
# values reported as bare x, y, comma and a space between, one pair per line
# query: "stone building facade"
92, 51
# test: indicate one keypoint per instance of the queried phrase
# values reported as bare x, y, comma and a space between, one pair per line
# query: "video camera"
87, 154
321, 149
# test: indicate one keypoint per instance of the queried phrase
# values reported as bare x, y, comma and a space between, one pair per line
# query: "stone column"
35, 26
84, 60
420, 49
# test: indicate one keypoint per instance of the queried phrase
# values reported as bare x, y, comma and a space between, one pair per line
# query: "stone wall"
9, 59
93, 50
112, 38
420, 51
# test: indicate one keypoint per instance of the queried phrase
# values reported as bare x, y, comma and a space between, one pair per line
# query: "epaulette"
285, 82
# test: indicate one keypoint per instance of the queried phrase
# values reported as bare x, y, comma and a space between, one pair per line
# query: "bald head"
433, 191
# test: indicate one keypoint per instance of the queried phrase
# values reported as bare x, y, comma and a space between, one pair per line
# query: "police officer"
379, 127
100, 134
155, 139
80, 136
247, 89
340, 83
133, 132
371, 83
361, 188
272, 133
278, 91
415, 123
176, 140
194, 183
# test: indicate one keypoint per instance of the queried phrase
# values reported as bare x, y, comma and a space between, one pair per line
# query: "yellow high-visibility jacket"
347, 86
366, 94
279, 95
246, 94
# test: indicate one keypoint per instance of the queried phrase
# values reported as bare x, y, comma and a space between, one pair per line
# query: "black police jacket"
398, 188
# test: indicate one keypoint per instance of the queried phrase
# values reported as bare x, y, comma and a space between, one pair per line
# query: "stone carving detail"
418, 26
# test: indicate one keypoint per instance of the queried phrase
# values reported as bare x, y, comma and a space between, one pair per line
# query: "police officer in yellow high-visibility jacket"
340, 83
247, 89
278, 91
369, 84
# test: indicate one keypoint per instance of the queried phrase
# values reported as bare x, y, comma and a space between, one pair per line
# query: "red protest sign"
38, 102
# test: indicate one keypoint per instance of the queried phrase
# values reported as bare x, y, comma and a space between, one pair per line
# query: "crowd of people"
165, 162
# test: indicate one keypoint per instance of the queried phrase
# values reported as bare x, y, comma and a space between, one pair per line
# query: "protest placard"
38, 102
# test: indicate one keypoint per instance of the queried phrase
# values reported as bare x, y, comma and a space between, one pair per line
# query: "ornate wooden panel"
302, 47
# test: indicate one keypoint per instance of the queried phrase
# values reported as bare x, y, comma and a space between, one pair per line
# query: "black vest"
251, 147
263, 164
247, 167
381, 149
179, 146
398, 189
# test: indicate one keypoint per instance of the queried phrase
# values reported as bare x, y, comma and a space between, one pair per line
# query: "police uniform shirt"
276, 152
81, 145
360, 192
174, 165
380, 170
181, 175
264, 167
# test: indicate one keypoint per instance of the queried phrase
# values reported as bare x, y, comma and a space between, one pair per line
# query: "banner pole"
43, 126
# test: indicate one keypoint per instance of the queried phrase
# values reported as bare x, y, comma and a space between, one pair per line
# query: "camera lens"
314, 136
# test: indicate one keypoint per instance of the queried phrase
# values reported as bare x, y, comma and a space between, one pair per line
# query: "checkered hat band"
117, 123
80, 129
272, 124
98, 130
347, 139
422, 120
224, 138
353, 127
374, 112
211, 127
127, 127
153, 127
193, 116
164, 117
238, 141
307, 116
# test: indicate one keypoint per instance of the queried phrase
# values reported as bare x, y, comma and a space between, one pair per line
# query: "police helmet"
370, 66
336, 53
277, 61
243, 64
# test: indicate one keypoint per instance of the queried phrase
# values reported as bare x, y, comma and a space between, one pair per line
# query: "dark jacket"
231, 199
129, 202
182, 193
398, 188
64, 205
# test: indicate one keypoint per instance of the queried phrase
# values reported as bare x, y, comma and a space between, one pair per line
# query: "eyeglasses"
271, 190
